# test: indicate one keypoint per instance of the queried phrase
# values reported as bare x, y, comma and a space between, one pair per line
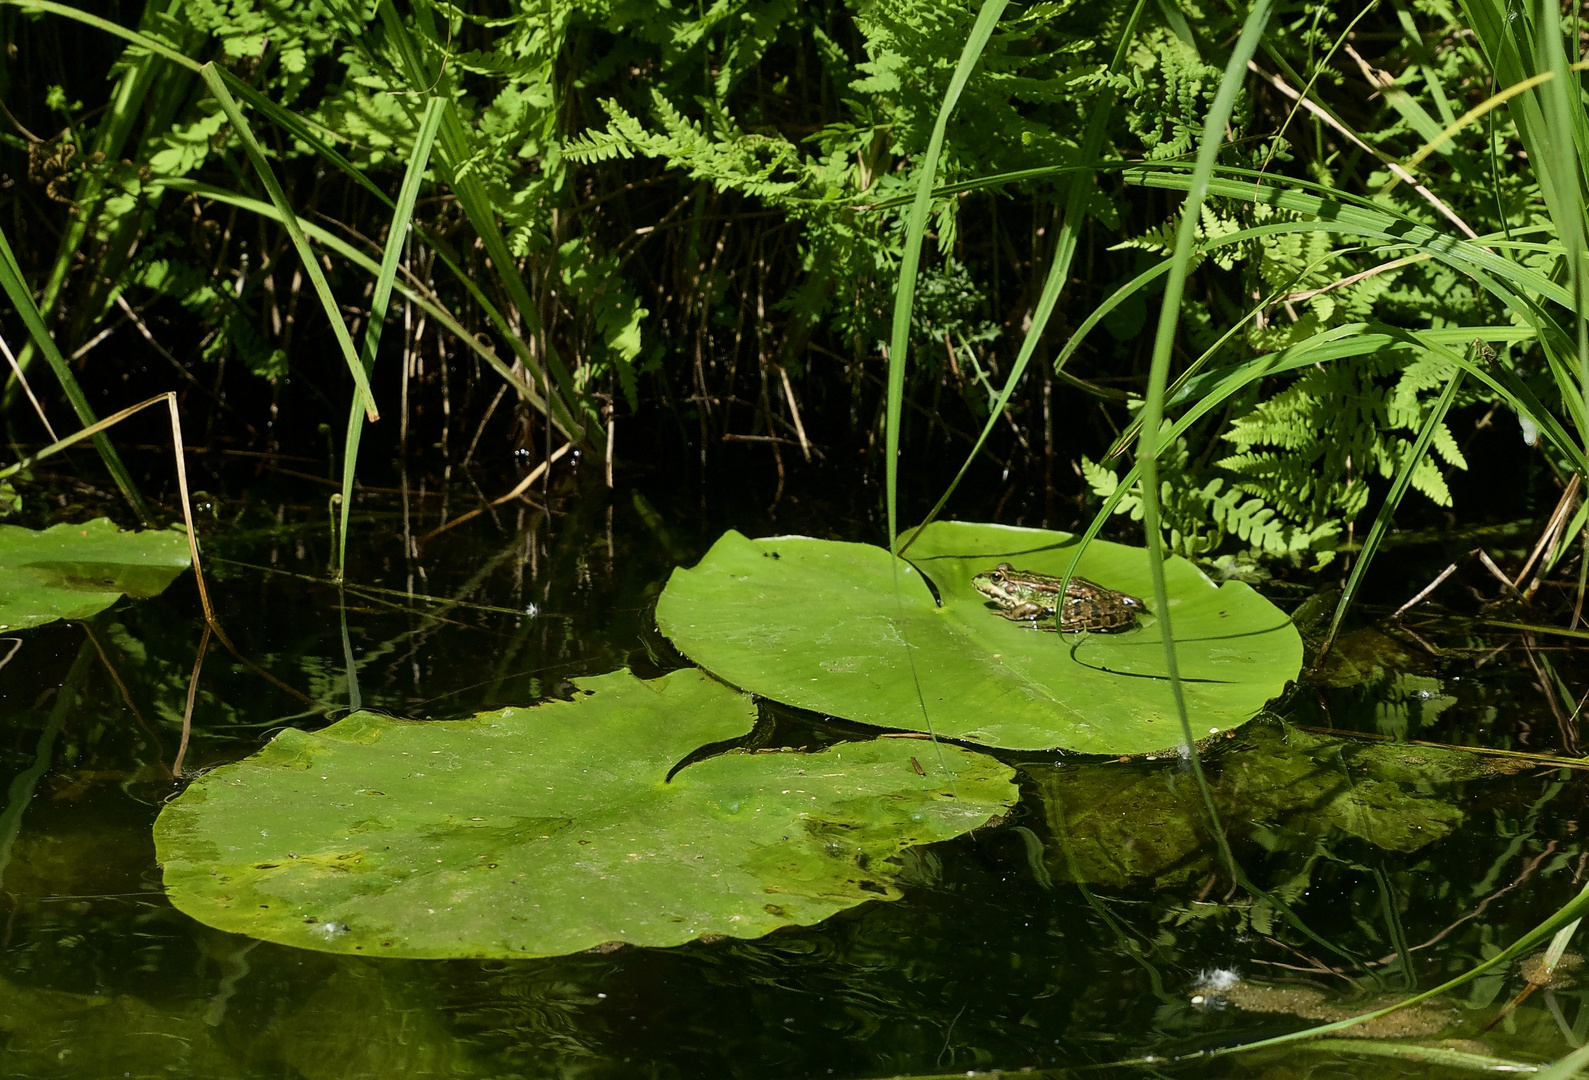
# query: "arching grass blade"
1079, 192
1158, 379
424, 300
418, 158
311, 265
904, 297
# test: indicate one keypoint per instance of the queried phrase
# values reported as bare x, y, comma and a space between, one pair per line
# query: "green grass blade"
1568, 1067
1398, 488
915, 230
1573, 909
143, 41
1158, 379
1159, 269
289, 219
16, 289
1211, 390
110, 137
1514, 284
904, 297
408, 194
1560, 104
1059, 272
457, 150
1345, 218
1176, 390
300, 128
1169, 319
471, 196
1569, 537
993, 180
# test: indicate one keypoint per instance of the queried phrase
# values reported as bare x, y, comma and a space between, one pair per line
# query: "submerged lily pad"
815, 624
74, 571
548, 830
1280, 787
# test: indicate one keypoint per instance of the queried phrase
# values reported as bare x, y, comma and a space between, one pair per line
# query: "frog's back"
1090, 606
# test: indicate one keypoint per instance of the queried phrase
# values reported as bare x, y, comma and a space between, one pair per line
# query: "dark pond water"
1083, 931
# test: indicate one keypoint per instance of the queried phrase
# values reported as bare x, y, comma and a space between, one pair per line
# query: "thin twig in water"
1553, 528
1523, 875
484, 420
126, 695
950, 1034
1430, 649
170, 400
193, 693
86, 347
520, 488
148, 336
1315, 963
1489, 564
1425, 591
794, 411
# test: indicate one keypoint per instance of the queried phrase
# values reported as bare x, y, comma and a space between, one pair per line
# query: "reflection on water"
1080, 932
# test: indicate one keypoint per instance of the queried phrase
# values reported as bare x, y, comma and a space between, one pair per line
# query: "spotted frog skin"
1024, 596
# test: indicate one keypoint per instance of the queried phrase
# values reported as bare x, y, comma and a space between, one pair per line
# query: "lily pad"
553, 829
815, 624
74, 571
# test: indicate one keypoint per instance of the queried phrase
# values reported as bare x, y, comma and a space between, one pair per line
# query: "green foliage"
704, 195
1308, 448
1200, 516
1170, 90
612, 313
1306, 458
1031, 86
1312, 448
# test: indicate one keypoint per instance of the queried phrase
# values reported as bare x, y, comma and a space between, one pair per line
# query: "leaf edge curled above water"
76, 570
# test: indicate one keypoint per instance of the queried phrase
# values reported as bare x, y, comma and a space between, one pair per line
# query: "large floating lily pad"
542, 831
74, 571
814, 623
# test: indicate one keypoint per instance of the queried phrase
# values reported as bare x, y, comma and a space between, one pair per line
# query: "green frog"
1023, 595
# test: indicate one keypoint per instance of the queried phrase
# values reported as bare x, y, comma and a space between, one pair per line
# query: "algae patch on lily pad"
74, 571
553, 829
815, 624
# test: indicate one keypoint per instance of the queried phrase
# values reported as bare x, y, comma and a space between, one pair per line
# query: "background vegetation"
685, 225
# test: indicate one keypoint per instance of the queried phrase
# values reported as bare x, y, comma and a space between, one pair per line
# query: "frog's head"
996, 586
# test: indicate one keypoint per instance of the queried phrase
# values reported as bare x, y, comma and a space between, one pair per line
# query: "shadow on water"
1095, 925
